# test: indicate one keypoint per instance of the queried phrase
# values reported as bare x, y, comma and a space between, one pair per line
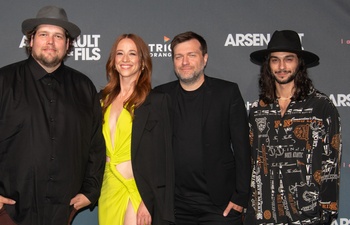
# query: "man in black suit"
211, 139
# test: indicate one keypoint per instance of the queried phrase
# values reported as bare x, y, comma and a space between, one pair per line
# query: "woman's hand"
143, 217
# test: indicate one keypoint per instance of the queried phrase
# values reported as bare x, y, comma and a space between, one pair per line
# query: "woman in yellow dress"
138, 181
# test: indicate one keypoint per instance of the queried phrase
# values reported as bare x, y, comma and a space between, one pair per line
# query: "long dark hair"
143, 83
267, 84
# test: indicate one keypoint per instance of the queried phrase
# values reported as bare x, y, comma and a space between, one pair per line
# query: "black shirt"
51, 143
188, 149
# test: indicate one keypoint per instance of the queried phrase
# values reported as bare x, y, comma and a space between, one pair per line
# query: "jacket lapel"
207, 99
140, 120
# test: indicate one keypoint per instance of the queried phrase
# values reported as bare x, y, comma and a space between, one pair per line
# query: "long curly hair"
267, 83
143, 83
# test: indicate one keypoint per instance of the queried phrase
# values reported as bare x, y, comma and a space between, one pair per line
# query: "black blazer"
152, 157
225, 140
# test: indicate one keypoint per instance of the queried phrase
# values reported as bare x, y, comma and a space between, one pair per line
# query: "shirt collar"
39, 72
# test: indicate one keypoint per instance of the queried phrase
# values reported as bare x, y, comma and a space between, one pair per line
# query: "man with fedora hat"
52, 151
295, 140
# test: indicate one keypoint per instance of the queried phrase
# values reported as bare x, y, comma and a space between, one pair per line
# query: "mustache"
282, 71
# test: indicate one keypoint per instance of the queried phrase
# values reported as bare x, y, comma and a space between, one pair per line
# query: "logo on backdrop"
250, 39
345, 165
339, 100
86, 47
342, 221
345, 41
161, 50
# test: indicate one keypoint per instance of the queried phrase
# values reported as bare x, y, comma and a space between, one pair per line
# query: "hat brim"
71, 28
259, 57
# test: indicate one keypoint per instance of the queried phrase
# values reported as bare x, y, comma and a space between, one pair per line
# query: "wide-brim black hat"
285, 41
54, 16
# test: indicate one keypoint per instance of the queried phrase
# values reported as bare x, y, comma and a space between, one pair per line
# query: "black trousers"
204, 214
5, 219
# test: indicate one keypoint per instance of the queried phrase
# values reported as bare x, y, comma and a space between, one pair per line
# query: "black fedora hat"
285, 41
54, 16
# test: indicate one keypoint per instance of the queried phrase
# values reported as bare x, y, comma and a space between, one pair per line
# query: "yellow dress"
117, 191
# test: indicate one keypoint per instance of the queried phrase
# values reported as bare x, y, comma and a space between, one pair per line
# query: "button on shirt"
51, 143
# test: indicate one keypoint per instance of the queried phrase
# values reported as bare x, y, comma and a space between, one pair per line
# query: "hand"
230, 206
7, 201
143, 217
79, 201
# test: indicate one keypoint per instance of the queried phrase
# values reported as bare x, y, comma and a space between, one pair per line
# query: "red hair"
143, 83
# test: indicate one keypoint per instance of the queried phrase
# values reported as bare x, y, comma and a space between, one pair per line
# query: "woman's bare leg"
130, 215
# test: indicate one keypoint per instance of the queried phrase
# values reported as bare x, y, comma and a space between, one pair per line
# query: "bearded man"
295, 140
52, 152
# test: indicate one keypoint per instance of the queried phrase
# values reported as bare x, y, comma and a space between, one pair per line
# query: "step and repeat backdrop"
233, 29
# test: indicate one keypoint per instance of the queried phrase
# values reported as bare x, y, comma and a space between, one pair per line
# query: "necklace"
284, 98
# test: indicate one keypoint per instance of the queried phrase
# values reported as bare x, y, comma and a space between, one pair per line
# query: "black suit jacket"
225, 136
152, 157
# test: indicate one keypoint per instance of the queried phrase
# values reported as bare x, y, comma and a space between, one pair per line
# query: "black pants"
5, 219
204, 214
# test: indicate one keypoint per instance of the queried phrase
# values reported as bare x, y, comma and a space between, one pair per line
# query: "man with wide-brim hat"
51, 15
54, 16
52, 152
285, 41
295, 138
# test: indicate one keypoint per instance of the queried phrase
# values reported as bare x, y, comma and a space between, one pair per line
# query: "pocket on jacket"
150, 124
229, 165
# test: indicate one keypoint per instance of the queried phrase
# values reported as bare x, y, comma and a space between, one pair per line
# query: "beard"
49, 62
288, 80
191, 79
